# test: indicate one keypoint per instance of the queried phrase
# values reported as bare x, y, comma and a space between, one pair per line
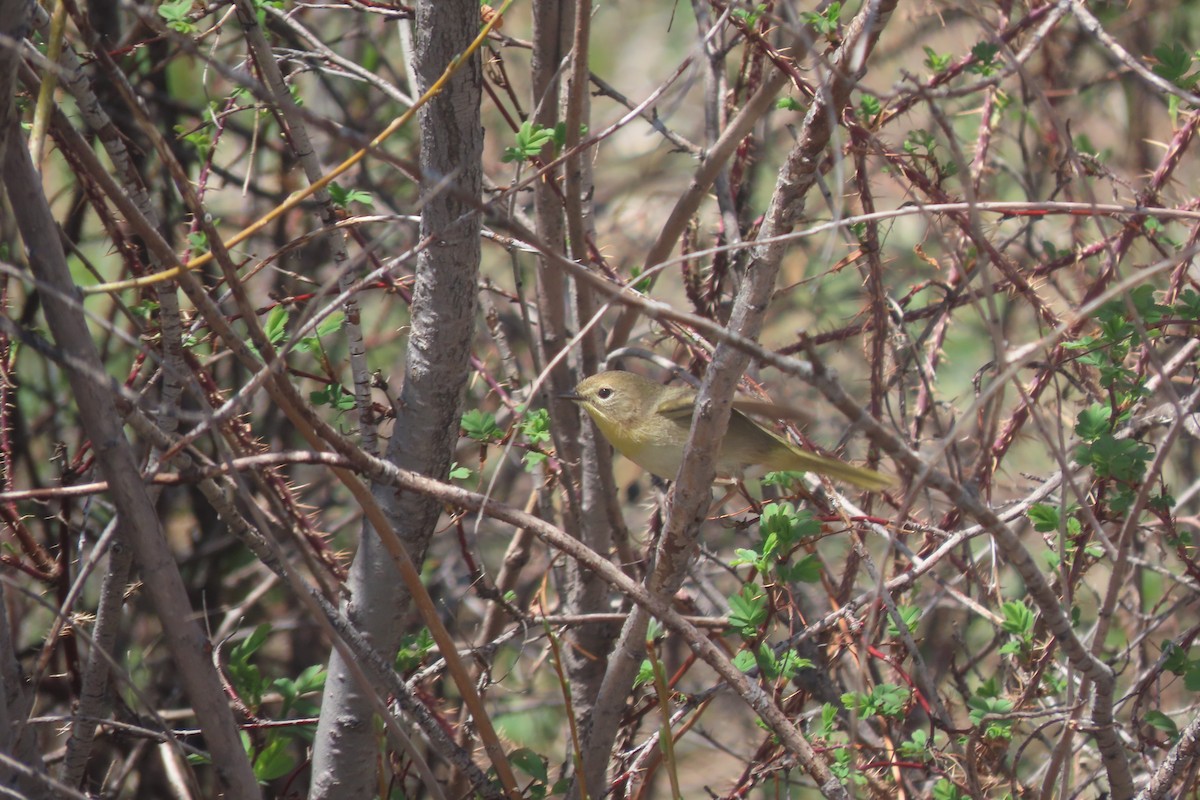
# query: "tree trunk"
434, 379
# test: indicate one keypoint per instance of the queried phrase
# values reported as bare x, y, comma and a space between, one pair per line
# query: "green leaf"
788, 104
749, 17
276, 327
743, 556
560, 134
274, 760
826, 22
343, 197
787, 525
806, 570
945, 789
1163, 503
1013, 647
286, 687
1082, 343
481, 426
330, 325
990, 688
919, 139
334, 396
536, 426
414, 647
1174, 62
175, 14
246, 678
533, 459
869, 107
783, 666
745, 660
293, 88
911, 615
1187, 305
748, 610
530, 140
645, 673
934, 61
242, 651
1191, 678
1093, 422
1159, 720
917, 746
886, 699
790, 662
890, 699
1119, 459
826, 728
1148, 308
1122, 500
982, 706
311, 679
1045, 518
345, 400
530, 763
1018, 618
1117, 328
782, 478
640, 286
145, 309
985, 59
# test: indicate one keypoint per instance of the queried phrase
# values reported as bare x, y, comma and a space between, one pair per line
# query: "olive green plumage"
649, 424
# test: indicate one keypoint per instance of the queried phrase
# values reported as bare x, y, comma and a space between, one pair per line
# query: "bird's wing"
677, 403
768, 410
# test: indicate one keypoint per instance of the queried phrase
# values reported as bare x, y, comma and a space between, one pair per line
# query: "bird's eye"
604, 393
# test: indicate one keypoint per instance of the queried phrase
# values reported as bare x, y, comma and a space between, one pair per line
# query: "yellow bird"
649, 424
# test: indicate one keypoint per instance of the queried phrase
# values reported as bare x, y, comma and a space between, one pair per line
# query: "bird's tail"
838, 470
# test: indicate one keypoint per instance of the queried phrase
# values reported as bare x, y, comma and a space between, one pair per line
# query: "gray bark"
443, 313
560, 36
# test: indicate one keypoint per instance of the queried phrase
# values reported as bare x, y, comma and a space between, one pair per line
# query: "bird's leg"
754, 504
734, 486
714, 510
